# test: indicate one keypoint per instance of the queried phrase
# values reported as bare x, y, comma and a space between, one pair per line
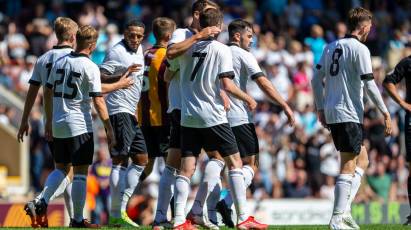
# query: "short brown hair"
200, 5
238, 26
86, 36
210, 17
161, 26
356, 16
64, 28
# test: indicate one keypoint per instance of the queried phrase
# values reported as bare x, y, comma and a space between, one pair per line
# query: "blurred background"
298, 166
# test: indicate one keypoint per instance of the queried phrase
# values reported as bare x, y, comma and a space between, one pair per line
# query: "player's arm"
177, 49
230, 87
394, 78
102, 112
269, 90
169, 75
48, 110
111, 82
28, 105
317, 84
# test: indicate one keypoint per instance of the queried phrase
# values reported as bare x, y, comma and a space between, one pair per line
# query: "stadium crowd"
298, 162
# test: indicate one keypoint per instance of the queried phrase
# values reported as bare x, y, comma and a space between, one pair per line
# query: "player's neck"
84, 51
355, 34
194, 25
162, 44
64, 43
230, 43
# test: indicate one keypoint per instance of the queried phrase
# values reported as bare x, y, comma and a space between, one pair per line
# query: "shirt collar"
74, 54
128, 48
233, 44
62, 47
351, 36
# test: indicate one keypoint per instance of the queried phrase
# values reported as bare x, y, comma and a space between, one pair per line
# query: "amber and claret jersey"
152, 108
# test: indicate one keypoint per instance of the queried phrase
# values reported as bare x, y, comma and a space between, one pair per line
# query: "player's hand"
388, 127
111, 140
226, 100
321, 118
208, 32
252, 104
133, 68
125, 81
23, 131
48, 133
290, 115
406, 106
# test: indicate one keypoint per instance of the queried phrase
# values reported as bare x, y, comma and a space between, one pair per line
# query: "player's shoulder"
183, 31
220, 47
405, 63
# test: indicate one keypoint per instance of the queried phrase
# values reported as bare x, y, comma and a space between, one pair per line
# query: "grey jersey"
201, 68
174, 95
45, 62
74, 79
245, 67
116, 62
343, 66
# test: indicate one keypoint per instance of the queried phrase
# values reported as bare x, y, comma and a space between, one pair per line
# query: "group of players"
203, 83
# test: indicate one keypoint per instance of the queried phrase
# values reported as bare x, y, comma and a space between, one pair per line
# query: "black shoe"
225, 212
37, 210
408, 222
83, 224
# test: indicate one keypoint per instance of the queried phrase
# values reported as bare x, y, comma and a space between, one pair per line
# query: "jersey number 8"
69, 84
335, 65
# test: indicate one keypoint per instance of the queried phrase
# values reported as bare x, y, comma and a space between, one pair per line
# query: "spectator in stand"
16, 43
380, 182
316, 42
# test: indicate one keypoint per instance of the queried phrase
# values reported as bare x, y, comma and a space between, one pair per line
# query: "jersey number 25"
69, 84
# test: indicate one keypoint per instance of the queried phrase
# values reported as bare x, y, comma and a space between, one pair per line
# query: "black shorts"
407, 132
217, 138
347, 136
51, 147
157, 140
175, 129
130, 139
247, 140
78, 150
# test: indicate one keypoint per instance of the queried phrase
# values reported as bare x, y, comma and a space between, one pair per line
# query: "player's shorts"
347, 136
407, 132
217, 138
51, 147
129, 137
157, 140
78, 150
175, 129
247, 140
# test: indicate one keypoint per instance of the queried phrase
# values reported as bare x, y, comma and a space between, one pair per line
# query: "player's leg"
168, 177
139, 160
119, 156
191, 144
81, 158
348, 140
407, 132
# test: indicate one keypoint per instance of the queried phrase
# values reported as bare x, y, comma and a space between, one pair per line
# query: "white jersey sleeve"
179, 35
364, 66
317, 82
111, 65
93, 77
225, 63
253, 69
37, 77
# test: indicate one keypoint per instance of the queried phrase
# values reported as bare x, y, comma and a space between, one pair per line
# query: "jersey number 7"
69, 84
201, 57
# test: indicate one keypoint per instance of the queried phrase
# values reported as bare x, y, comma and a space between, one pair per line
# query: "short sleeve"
399, 72
321, 63
252, 67
36, 75
93, 77
225, 63
364, 66
179, 35
111, 65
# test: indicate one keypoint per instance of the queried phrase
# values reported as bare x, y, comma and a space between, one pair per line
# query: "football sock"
248, 178
210, 180
409, 189
182, 188
78, 193
133, 176
55, 178
165, 192
212, 201
238, 191
117, 186
61, 188
68, 200
355, 185
342, 193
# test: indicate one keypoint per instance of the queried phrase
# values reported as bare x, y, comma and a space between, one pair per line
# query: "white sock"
355, 185
165, 192
68, 200
61, 188
342, 193
182, 188
248, 175
212, 201
117, 186
54, 179
78, 194
248, 179
238, 192
210, 179
133, 177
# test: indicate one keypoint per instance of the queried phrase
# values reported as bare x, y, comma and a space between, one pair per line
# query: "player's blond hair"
65, 28
163, 26
356, 16
86, 36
